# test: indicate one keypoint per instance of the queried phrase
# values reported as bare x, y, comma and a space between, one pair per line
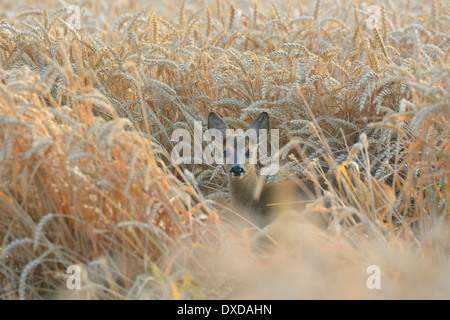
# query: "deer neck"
243, 190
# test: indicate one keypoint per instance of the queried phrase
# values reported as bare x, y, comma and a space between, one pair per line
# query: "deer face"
239, 148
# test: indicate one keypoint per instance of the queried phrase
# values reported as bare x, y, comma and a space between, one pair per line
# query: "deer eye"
225, 154
248, 154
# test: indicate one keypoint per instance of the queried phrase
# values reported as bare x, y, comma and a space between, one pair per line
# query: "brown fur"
251, 195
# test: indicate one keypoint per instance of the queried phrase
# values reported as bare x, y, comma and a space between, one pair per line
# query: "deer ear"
261, 122
214, 122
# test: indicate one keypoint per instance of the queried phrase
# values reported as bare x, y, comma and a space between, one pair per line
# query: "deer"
248, 190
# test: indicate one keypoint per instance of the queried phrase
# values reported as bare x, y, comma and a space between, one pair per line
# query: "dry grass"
86, 118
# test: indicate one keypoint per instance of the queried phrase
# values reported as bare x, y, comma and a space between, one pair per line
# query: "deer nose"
237, 171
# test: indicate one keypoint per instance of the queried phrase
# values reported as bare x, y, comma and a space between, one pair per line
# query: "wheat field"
86, 176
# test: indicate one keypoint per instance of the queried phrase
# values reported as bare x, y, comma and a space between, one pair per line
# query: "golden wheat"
86, 118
